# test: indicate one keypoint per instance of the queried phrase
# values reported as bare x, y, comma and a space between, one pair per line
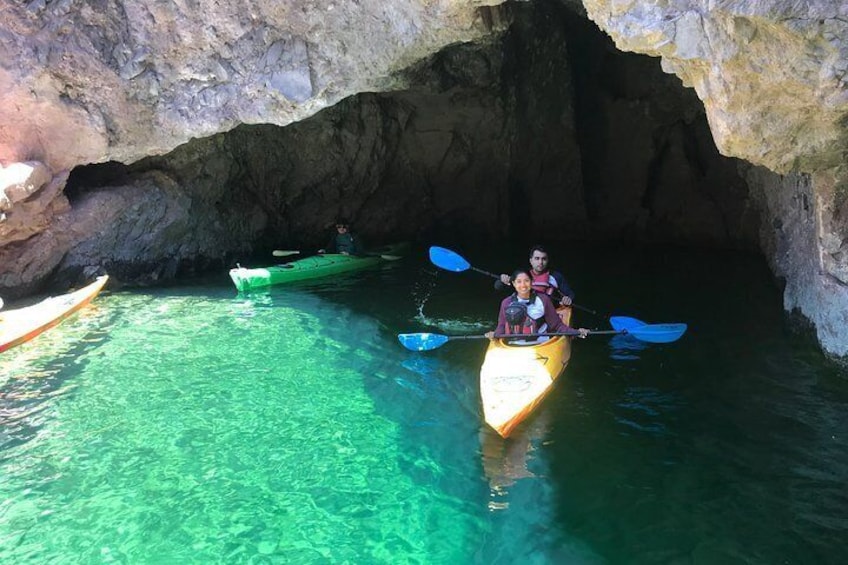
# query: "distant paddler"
343, 241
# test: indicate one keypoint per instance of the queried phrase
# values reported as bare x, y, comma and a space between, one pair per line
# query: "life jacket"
518, 321
543, 282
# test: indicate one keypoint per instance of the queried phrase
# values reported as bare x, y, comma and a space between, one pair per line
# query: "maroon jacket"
555, 323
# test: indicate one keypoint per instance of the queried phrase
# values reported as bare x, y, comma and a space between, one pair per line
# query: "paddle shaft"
546, 334
657, 333
288, 252
498, 277
452, 261
493, 275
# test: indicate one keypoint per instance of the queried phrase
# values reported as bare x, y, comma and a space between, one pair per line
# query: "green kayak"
311, 268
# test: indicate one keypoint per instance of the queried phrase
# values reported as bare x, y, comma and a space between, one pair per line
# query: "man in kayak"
545, 281
343, 241
529, 312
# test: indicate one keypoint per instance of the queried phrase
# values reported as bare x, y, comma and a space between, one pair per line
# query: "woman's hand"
505, 279
490, 335
566, 300
582, 333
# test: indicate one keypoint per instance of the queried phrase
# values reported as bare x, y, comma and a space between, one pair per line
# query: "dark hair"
536, 248
522, 270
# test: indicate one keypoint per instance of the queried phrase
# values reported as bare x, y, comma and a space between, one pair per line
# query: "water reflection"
429, 372
625, 347
507, 461
34, 373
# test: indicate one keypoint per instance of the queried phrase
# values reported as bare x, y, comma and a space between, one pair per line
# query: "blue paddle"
452, 261
625, 323
653, 333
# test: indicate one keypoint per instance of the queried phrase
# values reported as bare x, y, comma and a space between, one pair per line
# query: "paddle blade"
448, 260
422, 341
624, 323
284, 252
658, 333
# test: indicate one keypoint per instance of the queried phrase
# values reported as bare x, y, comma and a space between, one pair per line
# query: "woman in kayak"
528, 312
343, 241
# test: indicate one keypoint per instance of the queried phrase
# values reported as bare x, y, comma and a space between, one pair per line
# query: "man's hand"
566, 300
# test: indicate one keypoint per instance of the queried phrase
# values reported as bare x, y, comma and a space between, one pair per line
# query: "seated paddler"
526, 312
343, 240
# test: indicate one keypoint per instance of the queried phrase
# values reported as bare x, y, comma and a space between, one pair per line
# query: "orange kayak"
23, 324
515, 378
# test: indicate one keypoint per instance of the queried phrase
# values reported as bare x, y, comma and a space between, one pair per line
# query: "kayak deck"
22, 324
514, 379
308, 268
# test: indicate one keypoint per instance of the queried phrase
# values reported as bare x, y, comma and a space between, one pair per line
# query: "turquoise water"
195, 425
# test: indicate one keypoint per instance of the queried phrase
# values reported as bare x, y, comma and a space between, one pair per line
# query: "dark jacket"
344, 243
563, 285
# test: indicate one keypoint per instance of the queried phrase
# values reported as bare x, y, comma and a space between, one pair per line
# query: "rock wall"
650, 167
772, 78
125, 80
806, 214
483, 145
771, 75
447, 157
119, 81
541, 126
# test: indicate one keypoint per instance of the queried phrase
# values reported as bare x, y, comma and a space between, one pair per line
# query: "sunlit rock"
771, 75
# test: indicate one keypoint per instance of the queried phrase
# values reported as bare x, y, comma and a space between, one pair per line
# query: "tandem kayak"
515, 378
22, 324
311, 268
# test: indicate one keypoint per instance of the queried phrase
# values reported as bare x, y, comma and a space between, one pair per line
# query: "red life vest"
518, 321
543, 282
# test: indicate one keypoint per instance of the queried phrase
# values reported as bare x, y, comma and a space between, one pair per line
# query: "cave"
519, 122
545, 132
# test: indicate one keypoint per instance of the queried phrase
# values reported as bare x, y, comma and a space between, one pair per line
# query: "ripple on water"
198, 425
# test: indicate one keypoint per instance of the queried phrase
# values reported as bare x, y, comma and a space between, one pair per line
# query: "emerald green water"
194, 425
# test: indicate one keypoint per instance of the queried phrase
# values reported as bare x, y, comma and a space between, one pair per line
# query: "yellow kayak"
515, 378
23, 324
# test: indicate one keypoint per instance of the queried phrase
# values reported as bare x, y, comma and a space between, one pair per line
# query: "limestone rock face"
482, 138
459, 141
771, 75
126, 79
30, 189
122, 80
